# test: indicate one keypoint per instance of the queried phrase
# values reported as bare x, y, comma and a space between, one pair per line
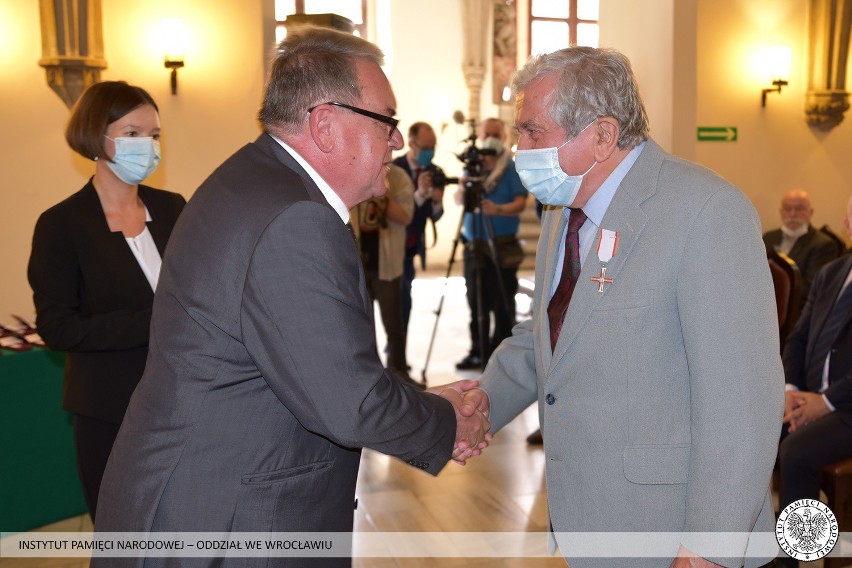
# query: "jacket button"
550, 399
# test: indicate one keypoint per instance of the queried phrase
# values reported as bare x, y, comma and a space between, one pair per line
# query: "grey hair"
591, 82
313, 65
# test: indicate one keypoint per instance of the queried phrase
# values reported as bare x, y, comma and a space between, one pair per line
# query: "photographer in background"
428, 195
503, 198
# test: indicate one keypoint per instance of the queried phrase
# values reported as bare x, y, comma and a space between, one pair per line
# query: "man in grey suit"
263, 381
659, 387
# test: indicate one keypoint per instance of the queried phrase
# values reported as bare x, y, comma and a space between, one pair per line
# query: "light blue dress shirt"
595, 209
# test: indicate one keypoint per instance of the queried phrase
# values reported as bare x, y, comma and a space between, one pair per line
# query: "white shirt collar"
327, 192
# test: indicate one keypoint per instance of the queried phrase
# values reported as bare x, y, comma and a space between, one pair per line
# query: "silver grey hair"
312, 66
591, 82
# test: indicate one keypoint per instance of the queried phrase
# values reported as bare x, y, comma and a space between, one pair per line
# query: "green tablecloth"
38, 470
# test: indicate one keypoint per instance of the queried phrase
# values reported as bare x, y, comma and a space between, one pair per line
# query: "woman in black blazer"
94, 267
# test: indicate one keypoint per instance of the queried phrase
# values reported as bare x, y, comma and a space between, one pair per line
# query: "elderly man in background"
809, 248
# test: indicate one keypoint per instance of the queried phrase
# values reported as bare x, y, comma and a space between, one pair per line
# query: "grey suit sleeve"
306, 325
730, 334
510, 377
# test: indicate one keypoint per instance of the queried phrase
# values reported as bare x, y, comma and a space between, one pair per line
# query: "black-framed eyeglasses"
389, 120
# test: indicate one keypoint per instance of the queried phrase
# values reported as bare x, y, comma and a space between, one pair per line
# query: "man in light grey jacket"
653, 347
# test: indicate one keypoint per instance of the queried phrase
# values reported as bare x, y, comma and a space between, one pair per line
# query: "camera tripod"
473, 193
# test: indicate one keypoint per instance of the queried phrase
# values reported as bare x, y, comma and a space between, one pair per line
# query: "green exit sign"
717, 133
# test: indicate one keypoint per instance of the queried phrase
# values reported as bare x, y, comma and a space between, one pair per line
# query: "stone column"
72, 46
829, 27
476, 16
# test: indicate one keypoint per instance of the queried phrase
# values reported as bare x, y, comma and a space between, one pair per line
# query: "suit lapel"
155, 225
823, 308
113, 246
553, 227
626, 216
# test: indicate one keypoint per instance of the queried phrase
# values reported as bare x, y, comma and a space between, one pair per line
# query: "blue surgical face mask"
136, 157
542, 175
424, 157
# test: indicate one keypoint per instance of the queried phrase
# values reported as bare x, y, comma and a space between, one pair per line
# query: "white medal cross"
602, 279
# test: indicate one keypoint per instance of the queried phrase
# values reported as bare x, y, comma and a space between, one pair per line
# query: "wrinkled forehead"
795, 202
537, 96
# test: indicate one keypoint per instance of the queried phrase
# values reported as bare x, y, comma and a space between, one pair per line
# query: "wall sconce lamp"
778, 62
174, 65
777, 89
172, 34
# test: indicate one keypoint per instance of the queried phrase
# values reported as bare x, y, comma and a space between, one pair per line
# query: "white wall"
776, 150
427, 78
644, 32
212, 115
695, 61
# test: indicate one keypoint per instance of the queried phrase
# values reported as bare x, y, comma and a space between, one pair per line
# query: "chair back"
788, 290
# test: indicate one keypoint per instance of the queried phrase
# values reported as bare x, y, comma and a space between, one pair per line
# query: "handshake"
472, 408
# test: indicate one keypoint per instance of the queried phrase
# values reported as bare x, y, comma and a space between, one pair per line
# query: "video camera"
474, 167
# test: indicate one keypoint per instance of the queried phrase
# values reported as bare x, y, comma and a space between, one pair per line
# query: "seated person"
818, 368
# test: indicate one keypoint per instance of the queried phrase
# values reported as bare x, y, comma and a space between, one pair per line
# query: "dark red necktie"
570, 273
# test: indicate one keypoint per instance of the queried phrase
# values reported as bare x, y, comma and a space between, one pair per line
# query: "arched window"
355, 10
555, 24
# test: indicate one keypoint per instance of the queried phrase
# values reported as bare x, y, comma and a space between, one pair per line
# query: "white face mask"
493, 144
542, 175
136, 157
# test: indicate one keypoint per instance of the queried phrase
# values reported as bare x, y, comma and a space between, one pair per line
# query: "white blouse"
146, 253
